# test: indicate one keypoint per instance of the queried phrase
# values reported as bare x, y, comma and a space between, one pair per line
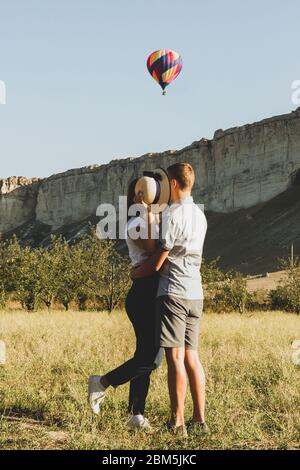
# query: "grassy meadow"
253, 389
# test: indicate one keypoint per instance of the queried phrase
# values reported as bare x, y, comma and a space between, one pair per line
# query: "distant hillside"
251, 240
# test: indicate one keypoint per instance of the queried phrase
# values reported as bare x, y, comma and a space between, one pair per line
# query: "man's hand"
152, 265
132, 273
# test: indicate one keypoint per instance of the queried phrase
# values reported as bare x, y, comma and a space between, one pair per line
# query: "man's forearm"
144, 270
150, 266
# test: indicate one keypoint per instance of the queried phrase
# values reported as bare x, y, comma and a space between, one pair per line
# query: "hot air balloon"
164, 66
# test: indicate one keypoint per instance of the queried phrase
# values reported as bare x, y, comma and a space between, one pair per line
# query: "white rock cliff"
238, 168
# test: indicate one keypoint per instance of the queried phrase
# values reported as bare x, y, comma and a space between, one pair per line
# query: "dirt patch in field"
267, 282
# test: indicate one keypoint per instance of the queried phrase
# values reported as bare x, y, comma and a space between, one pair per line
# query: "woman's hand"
139, 200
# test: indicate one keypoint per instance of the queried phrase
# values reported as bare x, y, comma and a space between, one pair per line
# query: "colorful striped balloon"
164, 66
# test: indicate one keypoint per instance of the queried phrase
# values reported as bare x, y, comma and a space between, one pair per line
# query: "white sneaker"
96, 393
138, 422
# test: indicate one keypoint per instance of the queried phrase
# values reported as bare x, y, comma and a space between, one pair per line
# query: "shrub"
211, 272
224, 291
231, 294
287, 295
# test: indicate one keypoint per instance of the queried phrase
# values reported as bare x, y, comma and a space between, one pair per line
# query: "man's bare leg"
196, 377
177, 383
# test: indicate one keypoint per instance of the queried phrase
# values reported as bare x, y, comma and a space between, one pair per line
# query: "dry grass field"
253, 389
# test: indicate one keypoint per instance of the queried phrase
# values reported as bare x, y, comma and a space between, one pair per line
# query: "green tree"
90, 271
117, 280
27, 285
50, 271
4, 272
10, 251
69, 279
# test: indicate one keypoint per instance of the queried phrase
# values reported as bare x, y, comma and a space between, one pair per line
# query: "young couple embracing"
165, 301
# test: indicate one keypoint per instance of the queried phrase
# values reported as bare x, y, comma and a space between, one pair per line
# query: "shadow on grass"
35, 416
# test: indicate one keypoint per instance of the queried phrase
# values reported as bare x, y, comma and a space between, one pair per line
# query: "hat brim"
165, 190
159, 198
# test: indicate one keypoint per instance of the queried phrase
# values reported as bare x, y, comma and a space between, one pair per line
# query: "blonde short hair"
183, 173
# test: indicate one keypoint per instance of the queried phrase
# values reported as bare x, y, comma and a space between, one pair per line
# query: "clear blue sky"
78, 92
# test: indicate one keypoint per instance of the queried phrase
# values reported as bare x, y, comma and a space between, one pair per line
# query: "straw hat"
155, 186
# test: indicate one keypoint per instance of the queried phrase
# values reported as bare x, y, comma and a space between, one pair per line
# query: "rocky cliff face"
238, 168
18, 200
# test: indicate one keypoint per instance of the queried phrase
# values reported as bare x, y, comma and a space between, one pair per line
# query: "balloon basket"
164, 93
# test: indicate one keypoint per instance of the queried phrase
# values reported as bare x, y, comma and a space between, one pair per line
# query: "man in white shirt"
180, 296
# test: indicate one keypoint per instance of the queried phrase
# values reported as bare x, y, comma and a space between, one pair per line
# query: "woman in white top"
142, 239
